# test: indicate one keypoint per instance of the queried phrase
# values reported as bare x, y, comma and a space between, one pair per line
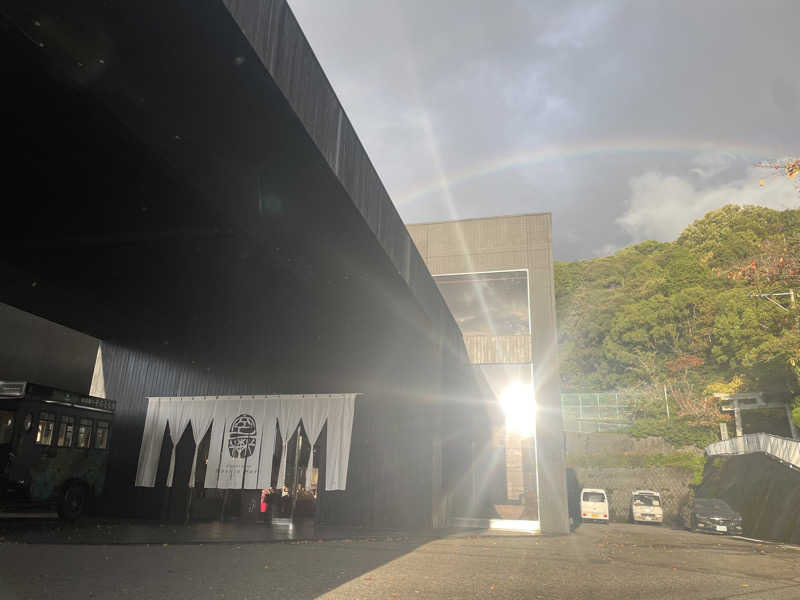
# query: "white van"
646, 507
594, 505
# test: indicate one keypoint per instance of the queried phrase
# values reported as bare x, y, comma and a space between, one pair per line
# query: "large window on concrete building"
493, 311
493, 304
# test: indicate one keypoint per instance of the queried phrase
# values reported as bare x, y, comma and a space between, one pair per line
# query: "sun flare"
519, 405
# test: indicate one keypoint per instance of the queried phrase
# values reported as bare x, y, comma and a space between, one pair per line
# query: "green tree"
624, 320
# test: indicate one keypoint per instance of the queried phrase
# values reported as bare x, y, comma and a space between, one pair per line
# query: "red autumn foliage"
778, 261
684, 362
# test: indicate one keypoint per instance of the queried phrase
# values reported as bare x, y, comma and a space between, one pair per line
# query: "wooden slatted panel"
488, 349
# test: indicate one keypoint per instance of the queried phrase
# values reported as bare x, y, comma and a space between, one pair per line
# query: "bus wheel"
72, 503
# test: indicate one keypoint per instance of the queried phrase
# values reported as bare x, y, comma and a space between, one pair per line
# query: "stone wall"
619, 482
599, 444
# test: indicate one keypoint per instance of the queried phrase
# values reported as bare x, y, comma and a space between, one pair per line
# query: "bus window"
84, 433
65, 431
47, 424
101, 435
6, 426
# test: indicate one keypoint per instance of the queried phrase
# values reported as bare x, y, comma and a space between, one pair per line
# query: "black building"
183, 188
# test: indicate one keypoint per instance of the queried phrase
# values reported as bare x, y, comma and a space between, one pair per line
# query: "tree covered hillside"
678, 314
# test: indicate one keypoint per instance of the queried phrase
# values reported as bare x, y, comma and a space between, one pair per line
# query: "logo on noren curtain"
242, 437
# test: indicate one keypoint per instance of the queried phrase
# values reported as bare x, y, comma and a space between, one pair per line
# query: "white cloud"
577, 27
711, 164
661, 206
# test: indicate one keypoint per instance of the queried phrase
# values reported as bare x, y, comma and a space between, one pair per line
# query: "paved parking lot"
615, 561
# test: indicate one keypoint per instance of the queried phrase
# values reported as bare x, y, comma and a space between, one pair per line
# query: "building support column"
550, 460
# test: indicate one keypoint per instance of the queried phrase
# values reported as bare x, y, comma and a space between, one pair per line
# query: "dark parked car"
714, 516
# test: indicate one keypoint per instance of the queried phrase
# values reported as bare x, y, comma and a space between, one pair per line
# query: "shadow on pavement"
194, 561
136, 531
292, 570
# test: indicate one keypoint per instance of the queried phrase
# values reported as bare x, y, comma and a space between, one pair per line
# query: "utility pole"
666, 400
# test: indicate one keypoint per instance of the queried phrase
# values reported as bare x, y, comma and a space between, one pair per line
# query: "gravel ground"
597, 562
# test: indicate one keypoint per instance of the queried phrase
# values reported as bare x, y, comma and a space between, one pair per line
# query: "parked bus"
54, 448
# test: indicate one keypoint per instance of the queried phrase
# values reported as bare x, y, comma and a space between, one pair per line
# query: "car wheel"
73, 501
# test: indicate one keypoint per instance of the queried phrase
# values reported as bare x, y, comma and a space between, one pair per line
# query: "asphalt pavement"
597, 562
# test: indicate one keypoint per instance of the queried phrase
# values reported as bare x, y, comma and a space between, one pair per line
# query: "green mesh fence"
592, 412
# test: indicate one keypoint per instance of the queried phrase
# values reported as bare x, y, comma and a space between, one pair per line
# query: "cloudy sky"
626, 120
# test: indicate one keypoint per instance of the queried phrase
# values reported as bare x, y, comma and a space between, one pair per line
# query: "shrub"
678, 432
678, 460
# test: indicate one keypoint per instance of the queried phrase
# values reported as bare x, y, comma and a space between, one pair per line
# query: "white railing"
784, 449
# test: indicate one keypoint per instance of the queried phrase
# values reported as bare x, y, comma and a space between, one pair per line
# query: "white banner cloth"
153, 437
263, 480
337, 451
289, 414
178, 417
314, 415
239, 440
219, 425
243, 436
202, 413
160, 412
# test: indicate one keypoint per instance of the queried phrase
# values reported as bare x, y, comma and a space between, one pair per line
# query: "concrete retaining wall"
671, 482
765, 492
598, 444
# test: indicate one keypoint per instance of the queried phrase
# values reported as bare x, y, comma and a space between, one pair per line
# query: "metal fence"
593, 412
783, 449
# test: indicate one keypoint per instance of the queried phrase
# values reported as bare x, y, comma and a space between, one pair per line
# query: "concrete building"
189, 212
496, 274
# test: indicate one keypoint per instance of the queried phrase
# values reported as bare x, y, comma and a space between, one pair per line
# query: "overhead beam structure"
184, 186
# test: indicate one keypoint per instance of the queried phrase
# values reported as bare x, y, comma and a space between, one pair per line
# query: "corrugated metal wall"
130, 377
390, 479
